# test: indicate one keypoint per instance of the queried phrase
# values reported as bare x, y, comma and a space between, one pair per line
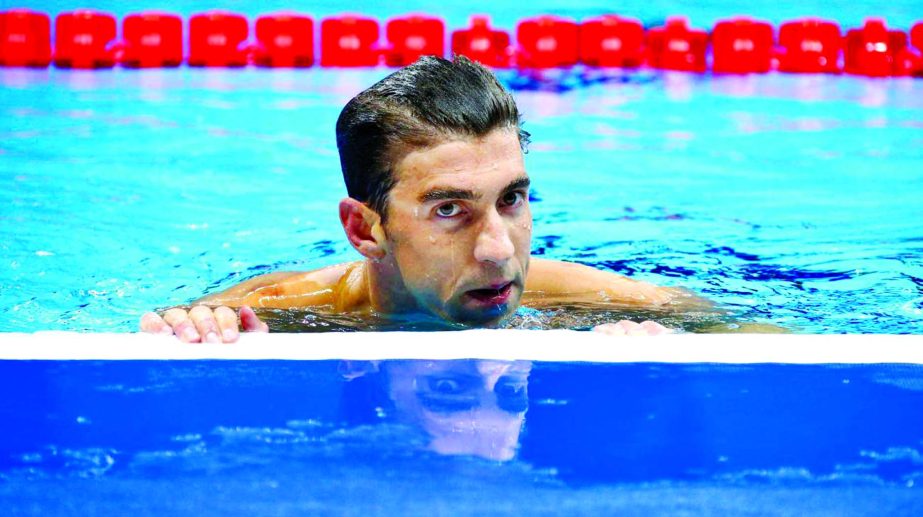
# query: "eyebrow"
441, 194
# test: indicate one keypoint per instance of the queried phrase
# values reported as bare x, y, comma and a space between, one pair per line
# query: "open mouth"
492, 296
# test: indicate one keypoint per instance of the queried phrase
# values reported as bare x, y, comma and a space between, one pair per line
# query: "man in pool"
438, 207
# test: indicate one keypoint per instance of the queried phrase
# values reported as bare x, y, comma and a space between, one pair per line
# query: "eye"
513, 198
445, 386
448, 210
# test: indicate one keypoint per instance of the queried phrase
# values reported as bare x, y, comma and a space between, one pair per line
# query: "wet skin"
455, 246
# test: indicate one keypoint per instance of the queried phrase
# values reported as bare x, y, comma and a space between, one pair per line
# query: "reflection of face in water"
474, 407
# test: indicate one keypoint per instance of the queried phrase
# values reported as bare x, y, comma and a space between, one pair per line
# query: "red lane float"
284, 40
83, 40
546, 42
810, 46
349, 41
913, 61
675, 46
916, 36
216, 39
25, 38
152, 40
871, 50
742, 46
612, 41
490, 47
414, 36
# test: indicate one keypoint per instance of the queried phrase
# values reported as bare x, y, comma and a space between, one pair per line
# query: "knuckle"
174, 313
225, 313
200, 311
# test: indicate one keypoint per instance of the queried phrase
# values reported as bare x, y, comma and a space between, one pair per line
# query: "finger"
628, 325
654, 329
610, 329
250, 321
204, 320
632, 328
227, 324
152, 323
182, 326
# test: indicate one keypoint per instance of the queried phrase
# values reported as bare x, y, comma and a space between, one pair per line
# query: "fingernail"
212, 337
229, 335
190, 335
166, 331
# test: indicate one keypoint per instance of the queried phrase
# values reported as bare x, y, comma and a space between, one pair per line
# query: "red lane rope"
89, 40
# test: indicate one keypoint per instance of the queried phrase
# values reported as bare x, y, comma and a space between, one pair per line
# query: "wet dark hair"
428, 102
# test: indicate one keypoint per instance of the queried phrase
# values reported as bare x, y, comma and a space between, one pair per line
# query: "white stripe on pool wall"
537, 345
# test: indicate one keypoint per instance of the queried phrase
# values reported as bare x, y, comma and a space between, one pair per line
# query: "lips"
494, 295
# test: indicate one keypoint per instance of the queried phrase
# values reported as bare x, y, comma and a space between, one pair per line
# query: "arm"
212, 319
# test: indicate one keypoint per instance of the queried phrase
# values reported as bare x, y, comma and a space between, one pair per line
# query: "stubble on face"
459, 222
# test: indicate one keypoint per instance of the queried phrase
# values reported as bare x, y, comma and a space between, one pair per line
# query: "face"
466, 407
459, 227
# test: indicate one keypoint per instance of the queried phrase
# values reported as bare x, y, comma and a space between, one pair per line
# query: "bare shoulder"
552, 281
291, 289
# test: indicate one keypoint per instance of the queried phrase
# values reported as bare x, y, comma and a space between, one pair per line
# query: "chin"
484, 317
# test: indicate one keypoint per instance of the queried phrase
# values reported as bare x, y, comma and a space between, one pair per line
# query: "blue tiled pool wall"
584, 424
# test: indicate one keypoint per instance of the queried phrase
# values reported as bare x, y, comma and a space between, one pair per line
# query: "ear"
363, 228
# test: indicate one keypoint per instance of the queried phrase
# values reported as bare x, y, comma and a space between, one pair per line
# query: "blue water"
295, 437
788, 199
792, 200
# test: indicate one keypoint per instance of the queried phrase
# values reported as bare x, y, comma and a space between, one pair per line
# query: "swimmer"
438, 207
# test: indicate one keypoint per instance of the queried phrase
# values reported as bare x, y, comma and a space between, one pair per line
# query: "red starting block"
83, 38
152, 40
677, 47
25, 38
612, 41
480, 43
412, 37
217, 39
349, 41
872, 49
742, 46
810, 46
284, 40
547, 42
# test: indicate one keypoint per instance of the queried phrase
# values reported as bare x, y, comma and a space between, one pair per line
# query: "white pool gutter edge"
541, 345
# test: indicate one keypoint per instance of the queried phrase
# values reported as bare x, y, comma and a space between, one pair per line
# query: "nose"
493, 242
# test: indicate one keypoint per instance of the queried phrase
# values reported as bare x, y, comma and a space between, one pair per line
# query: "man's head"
468, 407
428, 102
432, 159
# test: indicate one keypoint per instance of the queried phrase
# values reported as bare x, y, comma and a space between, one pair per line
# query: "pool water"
289, 437
793, 200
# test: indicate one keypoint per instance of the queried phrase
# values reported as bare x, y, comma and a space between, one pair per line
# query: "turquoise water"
789, 199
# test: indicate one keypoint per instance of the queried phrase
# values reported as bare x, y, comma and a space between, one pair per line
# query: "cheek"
523, 232
426, 259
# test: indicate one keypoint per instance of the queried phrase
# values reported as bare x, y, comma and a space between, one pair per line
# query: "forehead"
477, 163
